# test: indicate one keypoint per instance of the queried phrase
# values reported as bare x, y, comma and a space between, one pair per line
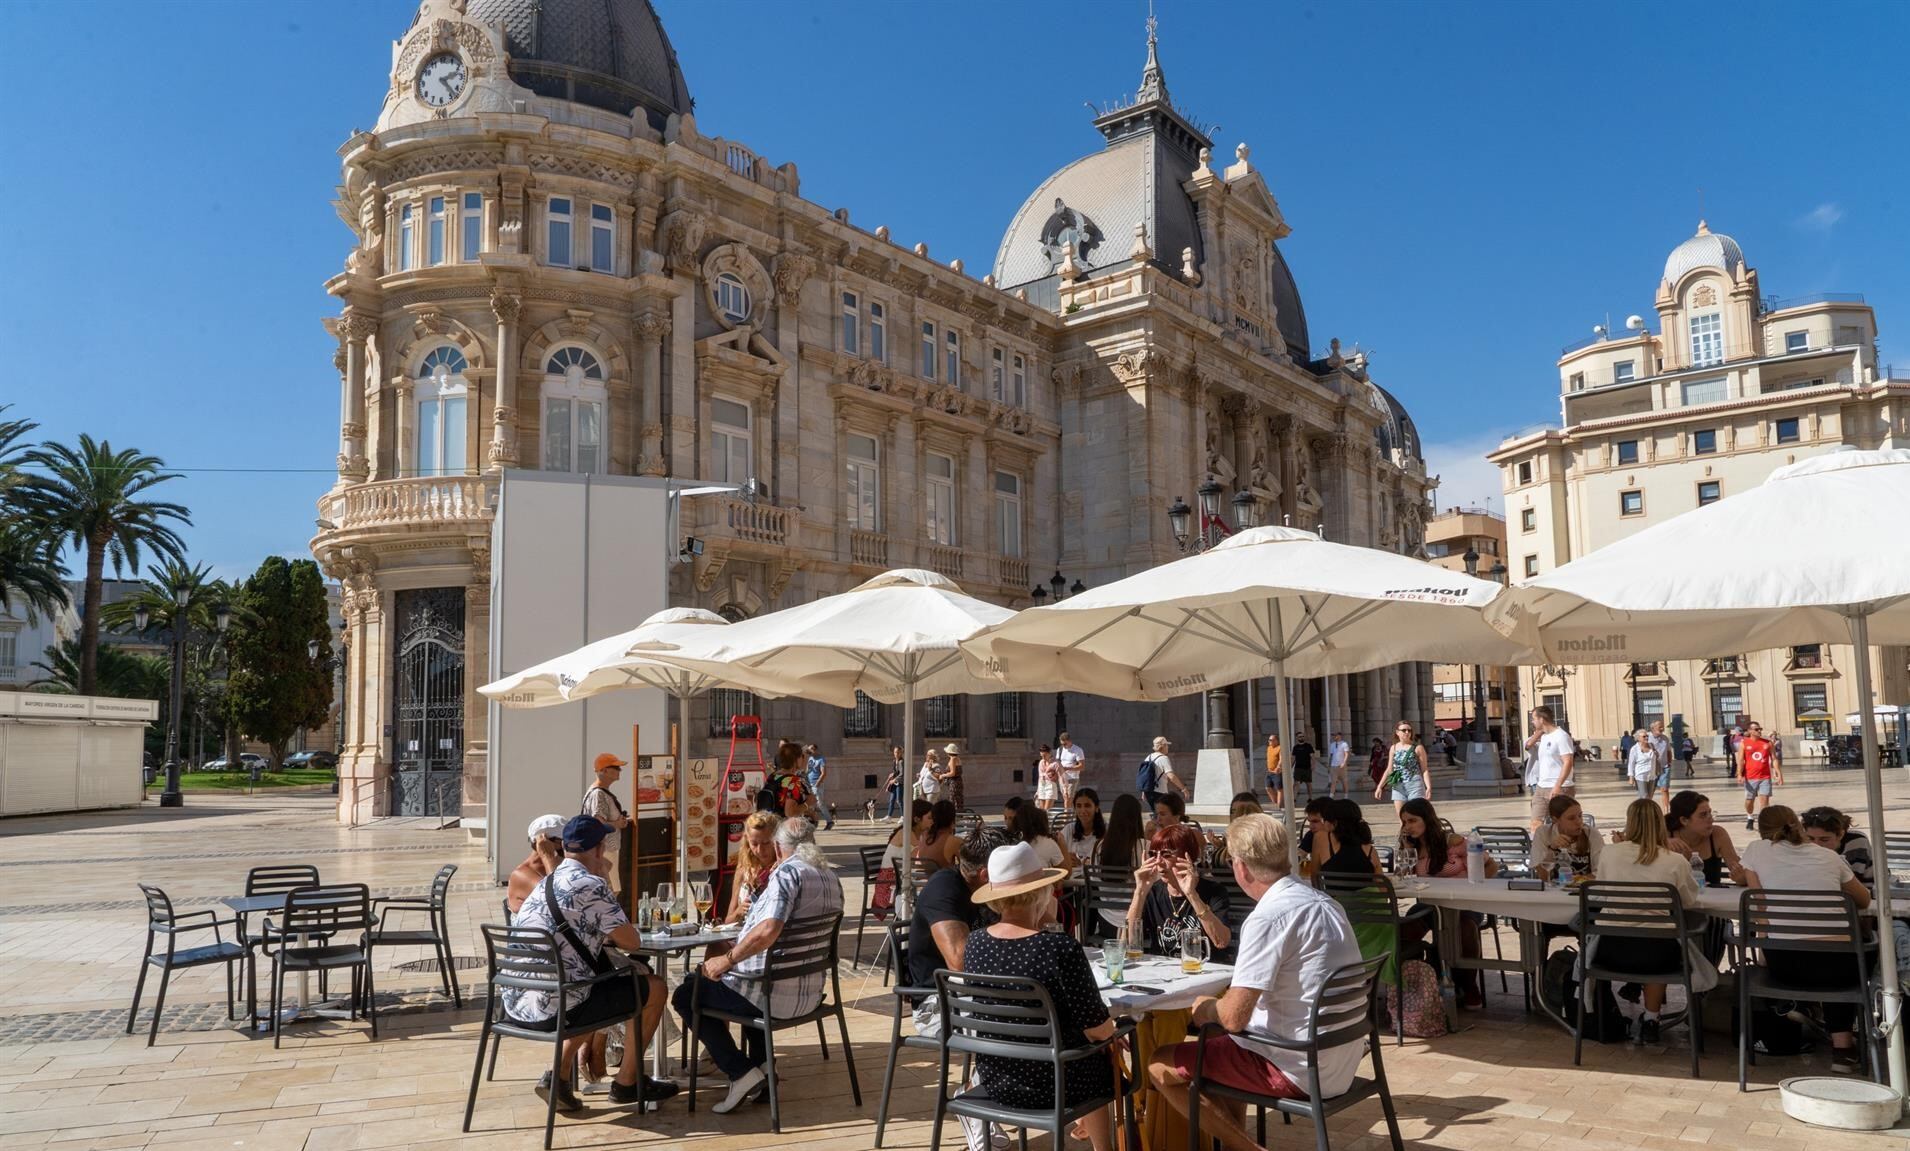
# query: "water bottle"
1475, 857
1566, 872
1697, 872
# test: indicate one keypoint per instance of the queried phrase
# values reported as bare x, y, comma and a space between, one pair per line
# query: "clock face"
441, 80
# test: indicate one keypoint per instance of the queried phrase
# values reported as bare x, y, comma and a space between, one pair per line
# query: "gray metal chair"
1343, 1012
1012, 1016
1896, 851
301, 940
277, 879
806, 947
1369, 900
1647, 911
527, 959
1823, 922
161, 919
437, 936
871, 868
1108, 889
898, 945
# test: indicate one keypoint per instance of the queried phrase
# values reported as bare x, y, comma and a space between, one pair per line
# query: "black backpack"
1559, 984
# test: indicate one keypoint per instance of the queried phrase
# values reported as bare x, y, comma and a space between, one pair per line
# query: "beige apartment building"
555, 266
1732, 384
1458, 688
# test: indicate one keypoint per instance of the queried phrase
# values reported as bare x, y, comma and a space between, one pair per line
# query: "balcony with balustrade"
458, 505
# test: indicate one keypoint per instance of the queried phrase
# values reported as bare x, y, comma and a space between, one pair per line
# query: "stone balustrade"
869, 549
944, 559
455, 501
756, 522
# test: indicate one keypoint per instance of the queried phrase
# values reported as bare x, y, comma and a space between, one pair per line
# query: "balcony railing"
1011, 572
1773, 304
869, 549
943, 558
449, 500
756, 523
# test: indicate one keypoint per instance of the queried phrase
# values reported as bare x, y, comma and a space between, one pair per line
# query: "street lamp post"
1478, 669
1498, 574
1192, 538
181, 599
1062, 590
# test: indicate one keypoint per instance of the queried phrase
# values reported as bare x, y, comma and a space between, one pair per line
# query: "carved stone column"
353, 467
477, 629
405, 450
650, 327
503, 452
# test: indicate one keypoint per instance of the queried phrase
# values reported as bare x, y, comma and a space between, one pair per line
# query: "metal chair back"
1343, 1011
1801, 921
280, 879
1059, 819
1367, 899
524, 959
806, 946
871, 862
966, 821
1012, 1016
1630, 911
1896, 851
441, 889
159, 911
1511, 845
1109, 889
326, 910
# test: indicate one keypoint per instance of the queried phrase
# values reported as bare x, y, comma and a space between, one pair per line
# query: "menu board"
656, 785
703, 778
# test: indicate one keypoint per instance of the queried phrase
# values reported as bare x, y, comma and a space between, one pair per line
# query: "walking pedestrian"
1337, 752
819, 771
1409, 777
1047, 779
1302, 765
953, 789
1376, 760
1688, 751
603, 806
928, 781
1072, 758
1155, 777
1661, 750
1641, 763
1760, 771
894, 784
1276, 778
1553, 754
1625, 744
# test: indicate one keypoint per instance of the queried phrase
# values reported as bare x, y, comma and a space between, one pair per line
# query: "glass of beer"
1128, 939
1194, 951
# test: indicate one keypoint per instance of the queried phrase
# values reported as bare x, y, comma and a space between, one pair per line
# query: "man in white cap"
547, 851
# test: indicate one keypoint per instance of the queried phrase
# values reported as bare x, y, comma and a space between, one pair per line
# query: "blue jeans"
714, 1034
895, 801
815, 791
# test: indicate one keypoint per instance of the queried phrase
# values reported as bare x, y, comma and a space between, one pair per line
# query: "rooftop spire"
1153, 84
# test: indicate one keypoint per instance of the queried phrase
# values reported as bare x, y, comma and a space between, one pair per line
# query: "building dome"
1396, 428
610, 54
1090, 208
1707, 249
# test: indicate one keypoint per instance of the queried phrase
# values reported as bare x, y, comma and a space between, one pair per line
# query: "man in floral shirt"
584, 902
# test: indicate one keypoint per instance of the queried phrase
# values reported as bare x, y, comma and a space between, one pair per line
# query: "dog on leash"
868, 811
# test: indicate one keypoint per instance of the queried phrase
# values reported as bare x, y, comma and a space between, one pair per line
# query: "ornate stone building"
556, 268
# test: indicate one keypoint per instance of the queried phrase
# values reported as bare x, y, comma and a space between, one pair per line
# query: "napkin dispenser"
1525, 885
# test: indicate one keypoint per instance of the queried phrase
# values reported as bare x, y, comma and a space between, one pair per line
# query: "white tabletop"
1552, 905
662, 943
1178, 990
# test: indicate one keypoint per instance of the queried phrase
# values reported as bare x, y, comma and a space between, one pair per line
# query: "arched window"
441, 397
573, 411
732, 297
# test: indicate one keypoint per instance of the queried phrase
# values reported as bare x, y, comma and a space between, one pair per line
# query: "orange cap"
609, 759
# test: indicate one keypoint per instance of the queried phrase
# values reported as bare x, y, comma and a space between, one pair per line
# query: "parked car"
312, 760
248, 761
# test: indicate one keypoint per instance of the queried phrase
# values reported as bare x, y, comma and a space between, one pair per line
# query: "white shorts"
1048, 790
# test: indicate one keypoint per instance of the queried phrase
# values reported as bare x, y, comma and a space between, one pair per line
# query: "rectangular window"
1707, 339
1008, 513
928, 351
1578, 381
1812, 700
1651, 707
1557, 704
1727, 703
1531, 566
1011, 715
941, 499
1631, 503
952, 358
730, 457
1786, 430
603, 239
471, 223
1627, 451
997, 377
9, 650
1020, 383
878, 333
864, 720
434, 232
404, 238
1529, 520
557, 233
851, 324
865, 484
1704, 392
1797, 341
1623, 370
726, 702
1807, 655
556, 434
1525, 472
1710, 492
941, 716
1704, 441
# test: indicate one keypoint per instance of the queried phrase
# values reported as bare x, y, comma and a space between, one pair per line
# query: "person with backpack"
1155, 777
1688, 751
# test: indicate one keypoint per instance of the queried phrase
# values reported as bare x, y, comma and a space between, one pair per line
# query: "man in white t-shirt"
1294, 939
1551, 765
1337, 753
1070, 756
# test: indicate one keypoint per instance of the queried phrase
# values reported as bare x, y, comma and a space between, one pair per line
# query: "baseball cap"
583, 833
608, 759
551, 825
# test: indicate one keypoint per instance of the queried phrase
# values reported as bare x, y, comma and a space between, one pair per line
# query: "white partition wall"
71, 752
574, 558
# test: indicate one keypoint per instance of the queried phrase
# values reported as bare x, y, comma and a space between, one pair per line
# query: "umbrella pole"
1284, 720
905, 871
683, 793
1873, 797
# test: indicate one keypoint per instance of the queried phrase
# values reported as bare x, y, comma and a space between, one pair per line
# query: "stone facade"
542, 283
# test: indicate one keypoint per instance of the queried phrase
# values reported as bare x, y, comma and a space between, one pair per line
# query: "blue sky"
1470, 186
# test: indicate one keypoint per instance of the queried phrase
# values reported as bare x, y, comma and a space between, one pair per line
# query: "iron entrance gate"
428, 702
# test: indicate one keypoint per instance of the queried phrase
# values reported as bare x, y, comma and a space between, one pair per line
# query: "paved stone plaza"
71, 931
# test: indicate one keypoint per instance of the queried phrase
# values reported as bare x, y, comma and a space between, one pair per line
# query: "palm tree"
157, 594
123, 674
29, 569
91, 497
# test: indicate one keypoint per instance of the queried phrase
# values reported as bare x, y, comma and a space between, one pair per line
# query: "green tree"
29, 565
276, 687
94, 499
124, 674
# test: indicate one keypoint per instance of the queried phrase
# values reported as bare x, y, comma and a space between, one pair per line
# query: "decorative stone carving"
1263, 479
506, 307
1188, 272
1067, 235
737, 260
683, 232
1705, 297
1219, 464
1067, 379
1131, 367
1306, 497
793, 270
1139, 251
1245, 276
650, 328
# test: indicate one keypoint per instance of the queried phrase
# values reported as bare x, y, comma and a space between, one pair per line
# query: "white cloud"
1466, 479
1822, 218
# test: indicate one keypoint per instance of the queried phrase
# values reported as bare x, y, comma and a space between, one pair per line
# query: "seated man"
944, 915
1294, 939
801, 886
586, 915
547, 851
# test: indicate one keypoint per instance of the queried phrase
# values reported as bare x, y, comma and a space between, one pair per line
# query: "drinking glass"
704, 898
1116, 959
1128, 939
1194, 951
666, 896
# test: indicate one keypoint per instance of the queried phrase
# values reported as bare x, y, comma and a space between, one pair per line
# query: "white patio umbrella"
1809, 556
1270, 601
894, 638
610, 664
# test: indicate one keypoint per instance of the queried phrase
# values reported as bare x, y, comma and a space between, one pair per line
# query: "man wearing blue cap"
576, 906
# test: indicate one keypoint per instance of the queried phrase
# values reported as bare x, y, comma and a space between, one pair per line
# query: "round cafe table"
1161, 995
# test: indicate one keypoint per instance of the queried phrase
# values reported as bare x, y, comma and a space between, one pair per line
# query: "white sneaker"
742, 1091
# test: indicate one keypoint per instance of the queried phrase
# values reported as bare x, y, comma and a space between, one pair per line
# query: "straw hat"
952, 749
1013, 870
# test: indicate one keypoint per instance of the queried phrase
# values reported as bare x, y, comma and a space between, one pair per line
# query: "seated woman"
1643, 854
1830, 829
1565, 841
1337, 839
1782, 861
1009, 807
1695, 835
1173, 898
936, 846
1122, 848
1022, 892
1083, 836
1031, 827
1427, 849
1170, 810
